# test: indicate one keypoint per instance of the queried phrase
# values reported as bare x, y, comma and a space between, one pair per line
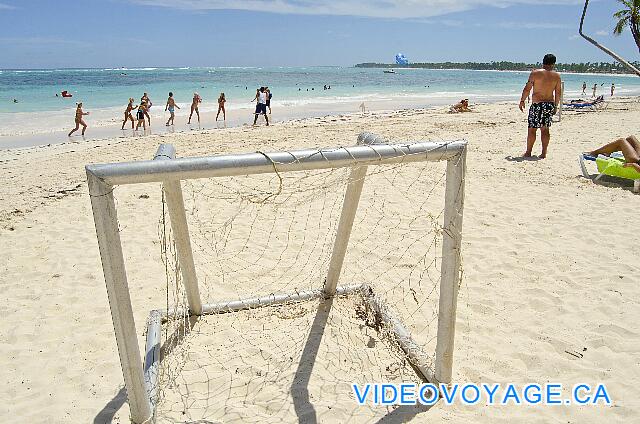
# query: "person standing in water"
194, 106
261, 107
613, 88
141, 115
79, 120
595, 88
547, 87
145, 99
221, 102
171, 107
127, 113
584, 88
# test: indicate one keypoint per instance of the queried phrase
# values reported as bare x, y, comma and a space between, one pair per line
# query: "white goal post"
141, 379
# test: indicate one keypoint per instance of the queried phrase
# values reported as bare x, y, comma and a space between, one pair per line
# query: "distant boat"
389, 71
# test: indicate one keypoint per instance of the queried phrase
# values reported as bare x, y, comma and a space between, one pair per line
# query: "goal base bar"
400, 335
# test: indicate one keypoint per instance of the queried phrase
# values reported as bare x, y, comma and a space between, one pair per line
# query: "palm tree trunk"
635, 25
603, 48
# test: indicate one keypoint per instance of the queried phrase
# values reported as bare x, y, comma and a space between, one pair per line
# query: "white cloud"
531, 25
602, 32
6, 7
574, 37
368, 8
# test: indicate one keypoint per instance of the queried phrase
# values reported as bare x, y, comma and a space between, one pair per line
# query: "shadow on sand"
300, 388
523, 159
105, 416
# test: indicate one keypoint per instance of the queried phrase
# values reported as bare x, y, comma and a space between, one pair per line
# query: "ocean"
40, 117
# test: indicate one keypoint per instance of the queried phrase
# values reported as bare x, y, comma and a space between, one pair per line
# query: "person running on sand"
127, 113
145, 99
546, 85
79, 120
194, 106
141, 115
630, 148
221, 101
261, 106
171, 107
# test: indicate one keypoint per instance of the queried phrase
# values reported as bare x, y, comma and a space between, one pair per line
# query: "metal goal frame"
141, 378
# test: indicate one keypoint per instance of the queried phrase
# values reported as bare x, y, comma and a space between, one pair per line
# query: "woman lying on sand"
630, 148
463, 106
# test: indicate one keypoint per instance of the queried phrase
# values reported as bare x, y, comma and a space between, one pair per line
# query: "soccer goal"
264, 251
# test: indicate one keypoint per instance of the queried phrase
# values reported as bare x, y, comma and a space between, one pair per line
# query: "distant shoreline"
574, 68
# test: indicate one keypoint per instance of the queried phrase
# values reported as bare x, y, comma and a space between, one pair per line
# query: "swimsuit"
141, 114
171, 109
541, 114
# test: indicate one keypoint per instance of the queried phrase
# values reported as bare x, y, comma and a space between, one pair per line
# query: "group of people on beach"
142, 112
595, 88
171, 107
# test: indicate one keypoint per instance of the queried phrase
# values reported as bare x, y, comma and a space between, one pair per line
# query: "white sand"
550, 264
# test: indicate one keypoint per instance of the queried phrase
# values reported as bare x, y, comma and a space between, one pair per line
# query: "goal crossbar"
141, 380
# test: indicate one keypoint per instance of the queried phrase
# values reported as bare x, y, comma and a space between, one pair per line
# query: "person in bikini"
171, 107
79, 120
141, 115
145, 98
194, 106
630, 148
463, 106
547, 87
269, 96
127, 113
221, 102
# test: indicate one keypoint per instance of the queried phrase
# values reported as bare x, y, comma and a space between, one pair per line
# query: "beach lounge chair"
611, 166
596, 104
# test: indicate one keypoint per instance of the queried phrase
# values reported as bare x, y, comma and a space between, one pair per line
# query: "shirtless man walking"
171, 107
546, 87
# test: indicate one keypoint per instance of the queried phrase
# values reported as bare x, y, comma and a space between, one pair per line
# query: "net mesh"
274, 233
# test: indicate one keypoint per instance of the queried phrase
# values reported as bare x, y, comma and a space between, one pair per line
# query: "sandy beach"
549, 292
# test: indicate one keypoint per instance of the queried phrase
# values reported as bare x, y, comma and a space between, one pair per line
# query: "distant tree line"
595, 67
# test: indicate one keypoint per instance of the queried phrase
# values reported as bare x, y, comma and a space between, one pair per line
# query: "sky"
134, 33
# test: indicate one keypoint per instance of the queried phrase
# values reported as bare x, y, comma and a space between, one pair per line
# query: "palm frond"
620, 26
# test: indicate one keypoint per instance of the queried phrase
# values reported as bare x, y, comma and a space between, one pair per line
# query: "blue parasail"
401, 59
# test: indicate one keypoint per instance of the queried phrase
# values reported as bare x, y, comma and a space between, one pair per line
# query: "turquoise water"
106, 88
39, 117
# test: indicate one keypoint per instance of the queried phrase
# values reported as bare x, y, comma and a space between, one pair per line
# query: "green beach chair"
611, 166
